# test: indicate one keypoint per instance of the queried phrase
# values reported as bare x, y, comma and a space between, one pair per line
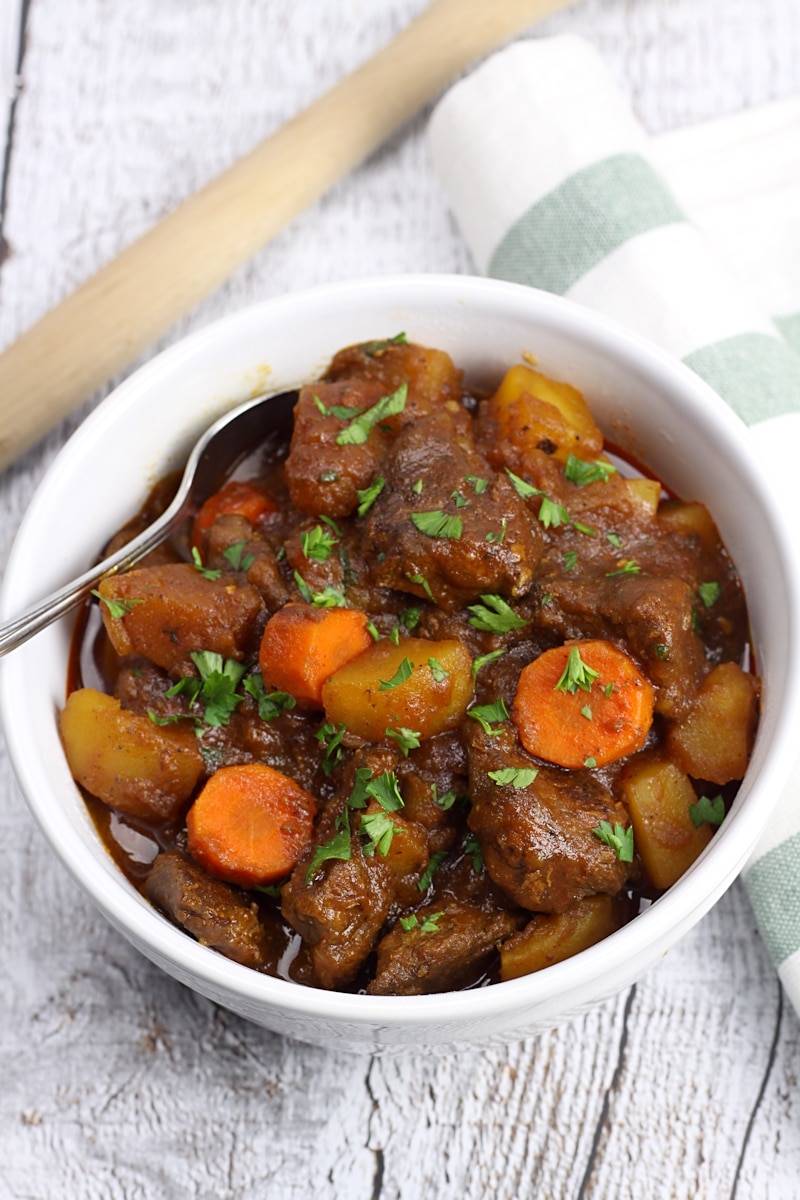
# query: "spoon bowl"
214, 454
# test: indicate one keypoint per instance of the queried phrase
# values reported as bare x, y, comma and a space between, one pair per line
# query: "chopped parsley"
581, 471
437, 524
422, 582
330, 736
429, 924
570, 560
709, 592
377, 348
587, 713
339, 845
480, 485
368, 496
116, 608
615, 540
591, 761
380, 830
216, 687
362, 425
459, 500
206, 572
576, 674
407, 739
495, 615
329, 597
417, 487
485, 714
483, 659
402, 673
498, 537
707, 811
427, 875
270, 704
237, 558
516, 777
303, 588
410, 617
552, 514
317, 543
619, 839
473, 847
628, 567
437, 671
523, 489
447, 799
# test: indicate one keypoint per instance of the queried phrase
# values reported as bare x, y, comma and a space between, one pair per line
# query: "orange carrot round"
302, 646
583, 704
250, 824
235, 497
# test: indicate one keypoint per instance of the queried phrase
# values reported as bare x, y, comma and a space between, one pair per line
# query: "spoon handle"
99, 329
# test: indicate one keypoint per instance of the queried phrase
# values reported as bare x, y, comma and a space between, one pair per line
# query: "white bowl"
643, 399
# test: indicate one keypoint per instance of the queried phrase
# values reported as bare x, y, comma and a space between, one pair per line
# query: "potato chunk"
126, 760
658, 795
533, 413
420, 685
715, 738
165, 612
549, 939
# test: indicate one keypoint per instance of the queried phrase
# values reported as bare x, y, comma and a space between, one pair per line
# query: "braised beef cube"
439, 949
232, 544
164, 613
446, 526
213, 912
647, 617
325, 476
430, 376
537, 840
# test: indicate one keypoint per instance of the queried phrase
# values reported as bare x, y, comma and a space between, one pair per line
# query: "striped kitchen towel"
691, 238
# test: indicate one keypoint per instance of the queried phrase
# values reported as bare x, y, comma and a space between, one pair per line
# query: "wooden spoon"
98, 330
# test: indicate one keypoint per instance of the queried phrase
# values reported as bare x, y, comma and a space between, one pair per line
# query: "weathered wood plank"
116, 1081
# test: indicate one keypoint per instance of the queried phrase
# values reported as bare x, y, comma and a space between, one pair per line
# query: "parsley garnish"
380, 830
478, 483
709, 592
385, 789
402, 673
486, 713
483, 659
576, 674
552, 514
330, 736
427, 875
523, 489
361, 426
628, 567
437, 524
410, 617
570, 560
406, 739
429, 924
446, 801
317, 543
417, 487
302, 587
206, 572
373, 630
437, 671
339, 846
270, 704
340, 411
581, 472
117, 608
376, 349
459, 500
329, 597
498, 537
707, 811
615, 540
422, 582
591, 761
516, 777
237, 558
494, 615
472, 846
368, 496
216, 687
587, 713
619, 839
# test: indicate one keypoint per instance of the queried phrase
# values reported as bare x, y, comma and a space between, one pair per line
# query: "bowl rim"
640, 941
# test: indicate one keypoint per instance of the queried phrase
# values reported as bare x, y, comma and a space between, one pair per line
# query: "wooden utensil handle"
117, 313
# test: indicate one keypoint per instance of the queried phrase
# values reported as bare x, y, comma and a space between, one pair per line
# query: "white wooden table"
116, 1082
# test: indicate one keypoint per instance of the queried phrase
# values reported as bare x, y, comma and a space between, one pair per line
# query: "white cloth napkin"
691, 238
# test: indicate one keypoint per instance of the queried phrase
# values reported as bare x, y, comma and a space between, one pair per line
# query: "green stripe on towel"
582, 220
790, 328
757, 374
773, 885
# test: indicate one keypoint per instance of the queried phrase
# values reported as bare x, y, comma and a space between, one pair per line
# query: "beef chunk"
215, 913
647, 617
449, 952
429, 374
497, 545
257, 558
537, 841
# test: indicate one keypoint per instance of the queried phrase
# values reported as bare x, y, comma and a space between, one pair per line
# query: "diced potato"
692, 520
714, 740
126, 760
165, 612
370, 695
658, 795
550, 939
644, 494
533, 412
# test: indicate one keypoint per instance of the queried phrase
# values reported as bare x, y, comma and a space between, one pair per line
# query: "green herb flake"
473, 847
447, 799
660, 650
409, 923
339, 846
576, 674
303, 588
402, 673
328, 476
330, 736
586, 530
385, 790
437, 524
495, 615
407, 739
498, 537
417, 487
709, 592
486, 714
587, 712
361, 426
581, 471
426, 877
591, 761
619, 839
409, 617
480, 485
317, 543
422, 582
206, 572
628, 567
380, 829
570, 560
552, 514
483, 659
615, 540
270, 704
341, 411
116, 608
429, 924
219, 681
516, 777
607, 690
459, 500
437, 671
707, 811
373, 630
368, 496
236, 556
329, 597
523, 489
377, 348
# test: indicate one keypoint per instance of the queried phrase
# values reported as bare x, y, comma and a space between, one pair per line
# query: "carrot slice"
583, 704
302, 646
235, 497
250, 824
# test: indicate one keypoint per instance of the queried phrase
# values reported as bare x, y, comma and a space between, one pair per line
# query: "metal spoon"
219, 448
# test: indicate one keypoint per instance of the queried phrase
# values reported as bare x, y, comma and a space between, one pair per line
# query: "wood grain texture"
116, 1081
